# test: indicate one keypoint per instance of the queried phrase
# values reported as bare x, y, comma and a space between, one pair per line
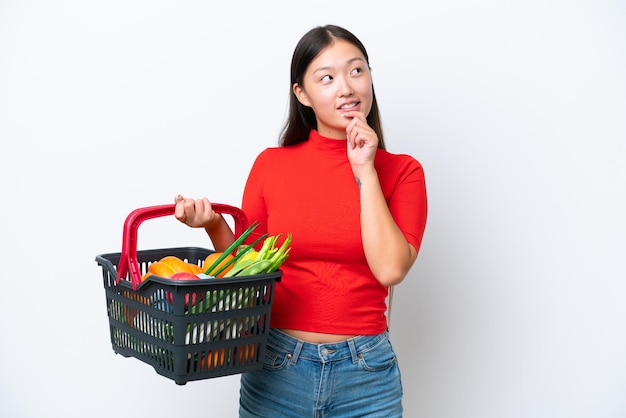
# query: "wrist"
364, 174
213, 223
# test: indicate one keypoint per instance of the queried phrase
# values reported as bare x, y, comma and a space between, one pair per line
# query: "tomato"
184, 275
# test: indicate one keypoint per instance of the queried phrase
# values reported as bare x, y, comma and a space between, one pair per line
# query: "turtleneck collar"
330, 145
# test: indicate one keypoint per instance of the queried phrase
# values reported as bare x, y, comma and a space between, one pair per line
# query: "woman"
357, 214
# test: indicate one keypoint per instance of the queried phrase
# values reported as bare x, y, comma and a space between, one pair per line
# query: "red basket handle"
128, 261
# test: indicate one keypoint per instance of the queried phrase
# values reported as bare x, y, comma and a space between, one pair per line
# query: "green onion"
279, 256
232, 247
239, 255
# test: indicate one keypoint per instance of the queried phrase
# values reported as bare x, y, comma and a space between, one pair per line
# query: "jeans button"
324, 351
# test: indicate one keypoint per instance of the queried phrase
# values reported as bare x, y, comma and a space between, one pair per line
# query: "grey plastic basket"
187, 329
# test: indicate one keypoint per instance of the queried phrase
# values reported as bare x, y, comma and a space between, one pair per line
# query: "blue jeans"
358, 377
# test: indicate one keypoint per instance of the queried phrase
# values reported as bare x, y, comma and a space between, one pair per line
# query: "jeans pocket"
274, 359
379, 357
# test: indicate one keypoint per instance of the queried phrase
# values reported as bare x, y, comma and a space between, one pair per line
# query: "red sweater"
309, 190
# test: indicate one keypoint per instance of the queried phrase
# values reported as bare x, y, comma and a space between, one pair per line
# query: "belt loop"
296, 352
355, 355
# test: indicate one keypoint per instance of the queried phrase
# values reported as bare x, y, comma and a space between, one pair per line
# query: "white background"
516, 109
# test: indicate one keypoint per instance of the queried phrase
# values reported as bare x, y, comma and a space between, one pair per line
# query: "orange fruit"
129, 312
246, 353
176, 263
169, 265
161, 269
212, 360
211, 258
194, 268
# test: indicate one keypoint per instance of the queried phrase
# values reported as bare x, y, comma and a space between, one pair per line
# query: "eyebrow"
350, 61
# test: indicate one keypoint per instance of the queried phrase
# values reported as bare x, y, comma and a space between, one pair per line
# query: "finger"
358, 141
206, 208
179, 211
351, 132
360, 137
355, 115
190, 208
352, 139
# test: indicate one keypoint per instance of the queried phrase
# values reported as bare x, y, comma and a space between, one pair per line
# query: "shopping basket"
186, 329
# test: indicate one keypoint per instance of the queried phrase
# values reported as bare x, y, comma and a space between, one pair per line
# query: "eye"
356, 71
326, 78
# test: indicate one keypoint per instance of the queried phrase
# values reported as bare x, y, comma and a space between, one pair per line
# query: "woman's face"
338, 80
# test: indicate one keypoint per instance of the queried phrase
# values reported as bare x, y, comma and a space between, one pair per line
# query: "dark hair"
301, 118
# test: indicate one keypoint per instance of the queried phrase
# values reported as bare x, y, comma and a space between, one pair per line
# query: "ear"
301, 95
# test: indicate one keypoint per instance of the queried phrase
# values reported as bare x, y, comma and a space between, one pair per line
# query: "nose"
345, 88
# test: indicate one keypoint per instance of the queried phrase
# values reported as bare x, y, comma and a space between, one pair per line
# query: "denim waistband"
299, 349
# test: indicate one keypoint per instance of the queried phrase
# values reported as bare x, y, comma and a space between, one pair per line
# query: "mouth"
349, 106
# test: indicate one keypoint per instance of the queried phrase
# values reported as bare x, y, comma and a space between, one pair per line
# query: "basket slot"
128, 343
223, 358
